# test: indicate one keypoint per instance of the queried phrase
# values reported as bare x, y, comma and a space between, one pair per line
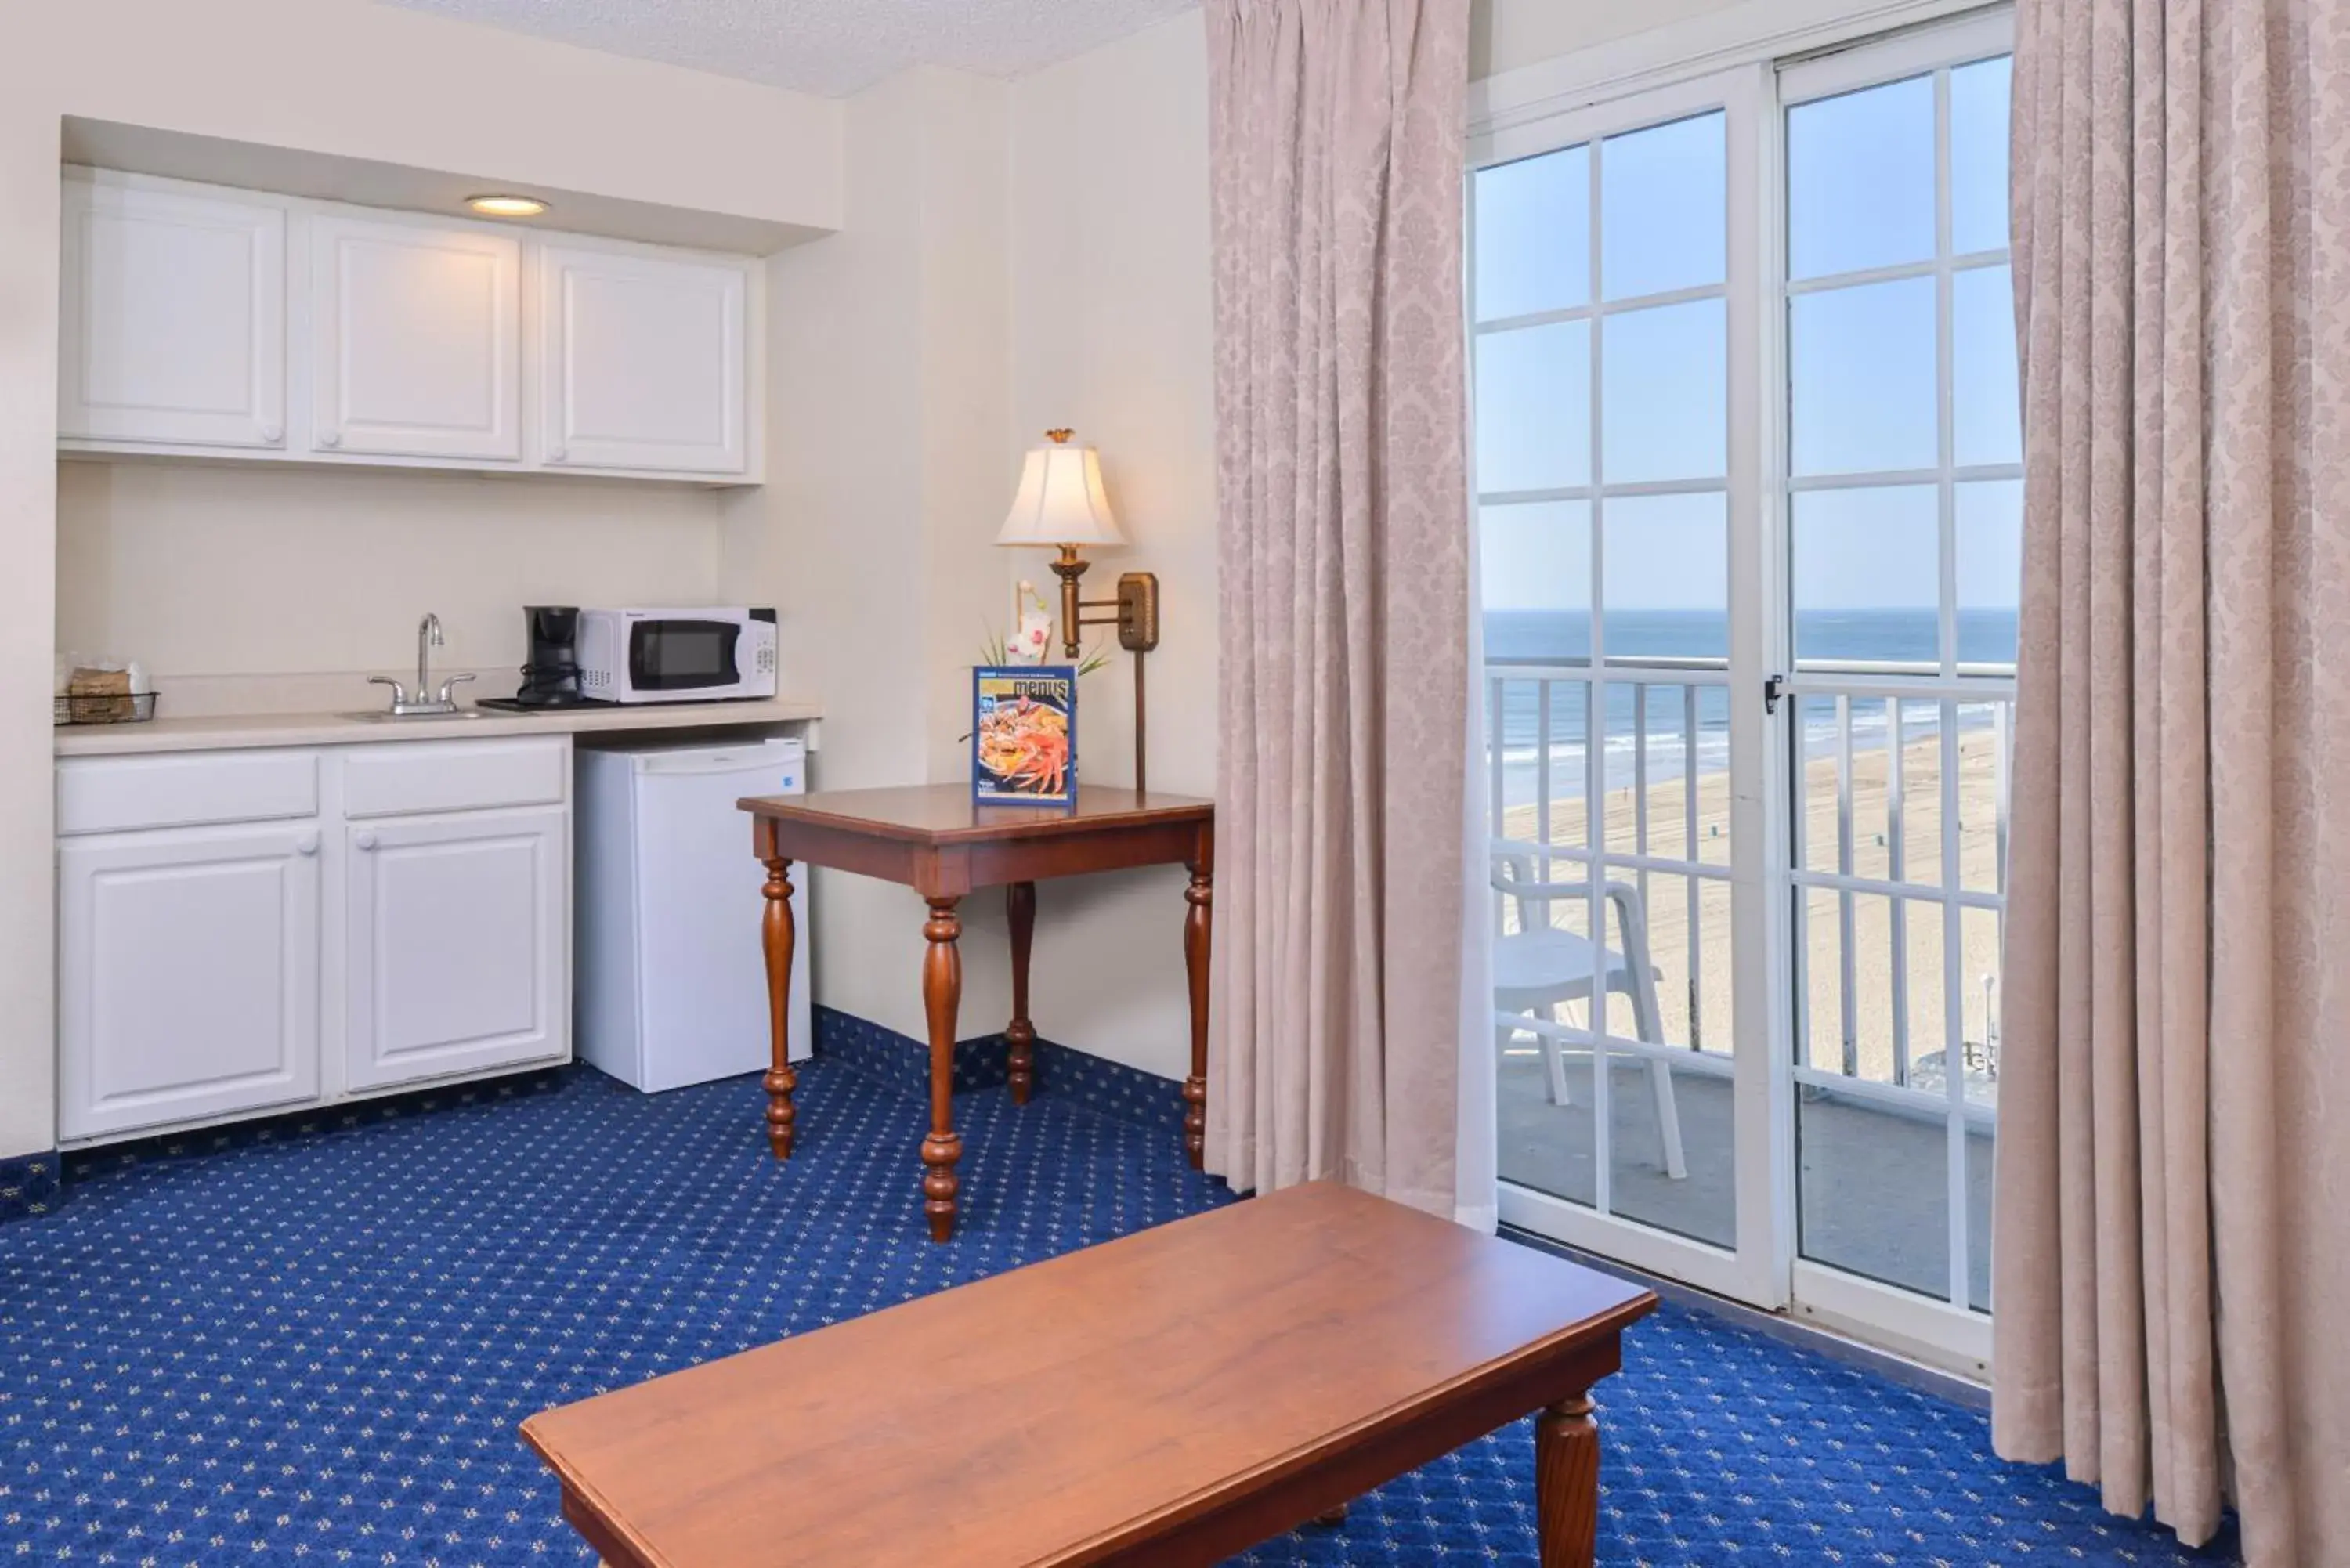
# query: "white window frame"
1750, 61
1747, 1272
1940, 1331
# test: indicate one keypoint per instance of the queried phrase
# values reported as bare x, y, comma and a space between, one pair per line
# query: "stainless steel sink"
382, 716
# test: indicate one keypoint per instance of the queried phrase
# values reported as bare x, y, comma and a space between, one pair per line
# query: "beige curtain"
2172, 1245
1337, 158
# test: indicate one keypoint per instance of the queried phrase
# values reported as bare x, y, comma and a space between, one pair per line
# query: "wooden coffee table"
1172, 1397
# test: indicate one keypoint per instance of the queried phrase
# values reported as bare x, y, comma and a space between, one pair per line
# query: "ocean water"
1687, 726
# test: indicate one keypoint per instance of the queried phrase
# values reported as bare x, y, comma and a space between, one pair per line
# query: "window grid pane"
1533, 234
1652, 454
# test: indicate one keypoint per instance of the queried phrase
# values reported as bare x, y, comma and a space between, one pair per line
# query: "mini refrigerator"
670, 978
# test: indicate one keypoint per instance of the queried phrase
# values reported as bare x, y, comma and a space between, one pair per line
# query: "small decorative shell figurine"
1031, 626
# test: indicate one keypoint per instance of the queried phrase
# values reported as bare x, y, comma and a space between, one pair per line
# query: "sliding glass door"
1613, 451
1904, 499
1748, 493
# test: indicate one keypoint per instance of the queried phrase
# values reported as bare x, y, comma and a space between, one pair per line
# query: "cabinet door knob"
272, 434
558, 455
307, 845
330, 438
365, 841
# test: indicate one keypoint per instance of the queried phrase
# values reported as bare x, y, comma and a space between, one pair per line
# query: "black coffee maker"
551, 678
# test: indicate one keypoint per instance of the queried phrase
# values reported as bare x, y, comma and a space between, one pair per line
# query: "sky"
1864, 395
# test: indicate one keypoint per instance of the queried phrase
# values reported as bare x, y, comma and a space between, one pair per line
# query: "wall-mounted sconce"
1061, 505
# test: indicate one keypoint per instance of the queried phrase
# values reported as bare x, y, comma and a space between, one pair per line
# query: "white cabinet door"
171, 319
188, 975
458, 944
643, 362
416, 340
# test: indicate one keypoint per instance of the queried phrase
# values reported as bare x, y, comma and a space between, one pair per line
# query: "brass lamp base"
1068, 567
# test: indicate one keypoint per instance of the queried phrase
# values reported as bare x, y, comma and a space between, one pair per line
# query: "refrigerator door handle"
705, 766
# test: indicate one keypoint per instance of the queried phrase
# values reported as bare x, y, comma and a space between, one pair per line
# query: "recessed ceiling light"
506, 206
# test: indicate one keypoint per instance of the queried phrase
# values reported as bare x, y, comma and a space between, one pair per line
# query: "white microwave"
675, 655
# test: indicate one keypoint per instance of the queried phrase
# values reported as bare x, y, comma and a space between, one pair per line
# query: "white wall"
1013, 258
338, 77
888, 471
1112, 321
1505, 35
967, 346
232, 569
359, 80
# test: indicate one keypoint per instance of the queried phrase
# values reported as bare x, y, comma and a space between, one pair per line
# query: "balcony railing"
1898, 794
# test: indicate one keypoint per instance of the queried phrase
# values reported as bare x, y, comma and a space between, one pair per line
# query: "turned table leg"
1567, 1483
779, 935
1020, 1034
1197, 897
941, 996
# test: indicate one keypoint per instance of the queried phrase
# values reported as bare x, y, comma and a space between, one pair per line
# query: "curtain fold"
1337, 155
2173, 1170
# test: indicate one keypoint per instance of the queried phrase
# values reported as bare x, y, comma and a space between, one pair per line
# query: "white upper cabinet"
172, 318
642, 361
203, 321
417, 332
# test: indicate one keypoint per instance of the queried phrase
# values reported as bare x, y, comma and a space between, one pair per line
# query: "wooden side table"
934, 839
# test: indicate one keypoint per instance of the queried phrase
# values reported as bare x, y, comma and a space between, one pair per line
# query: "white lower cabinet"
188, 976
346, 919
457, 933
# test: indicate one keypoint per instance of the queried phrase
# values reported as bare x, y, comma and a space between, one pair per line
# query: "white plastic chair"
1538, 966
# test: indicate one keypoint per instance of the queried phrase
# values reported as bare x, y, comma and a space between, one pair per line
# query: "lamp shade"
1061, 499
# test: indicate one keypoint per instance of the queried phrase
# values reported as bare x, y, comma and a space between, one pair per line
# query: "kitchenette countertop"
243, 732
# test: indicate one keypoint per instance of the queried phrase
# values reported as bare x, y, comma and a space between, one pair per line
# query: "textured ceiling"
830, 47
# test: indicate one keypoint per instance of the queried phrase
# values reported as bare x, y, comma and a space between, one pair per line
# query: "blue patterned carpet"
314, 1349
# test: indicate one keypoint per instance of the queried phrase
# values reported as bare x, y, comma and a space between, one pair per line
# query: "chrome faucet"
428, 638
419, 705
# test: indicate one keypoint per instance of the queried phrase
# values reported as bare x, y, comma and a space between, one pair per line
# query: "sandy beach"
1688, 944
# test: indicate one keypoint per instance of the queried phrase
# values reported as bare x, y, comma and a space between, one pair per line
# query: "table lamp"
1062, 505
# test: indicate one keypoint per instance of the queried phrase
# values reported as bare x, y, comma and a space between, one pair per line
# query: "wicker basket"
111, 708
